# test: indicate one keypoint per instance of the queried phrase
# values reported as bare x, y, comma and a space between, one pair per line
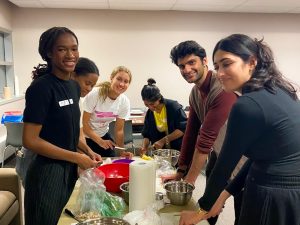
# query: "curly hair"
186, 48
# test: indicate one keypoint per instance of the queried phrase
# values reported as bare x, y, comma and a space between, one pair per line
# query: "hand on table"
166, 178
219, 204
191, 217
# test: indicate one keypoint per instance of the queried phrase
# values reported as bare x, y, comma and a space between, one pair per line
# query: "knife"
71, 213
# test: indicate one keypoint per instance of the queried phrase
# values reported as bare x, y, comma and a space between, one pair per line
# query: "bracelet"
202, 211
167, 141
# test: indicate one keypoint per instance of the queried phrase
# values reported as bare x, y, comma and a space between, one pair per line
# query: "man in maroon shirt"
209, 109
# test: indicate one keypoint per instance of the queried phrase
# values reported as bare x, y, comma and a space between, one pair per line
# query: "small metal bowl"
105, 221
125, 191
179, 192
170, 155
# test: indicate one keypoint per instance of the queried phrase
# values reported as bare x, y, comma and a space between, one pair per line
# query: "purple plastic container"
123, 161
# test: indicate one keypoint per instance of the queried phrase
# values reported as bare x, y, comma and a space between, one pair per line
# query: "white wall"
142, 41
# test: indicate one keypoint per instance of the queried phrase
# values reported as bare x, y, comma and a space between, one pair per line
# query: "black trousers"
98, 149
237, 199
49, 185
209, 167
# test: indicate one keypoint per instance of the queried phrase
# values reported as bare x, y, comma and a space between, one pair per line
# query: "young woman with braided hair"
51, 129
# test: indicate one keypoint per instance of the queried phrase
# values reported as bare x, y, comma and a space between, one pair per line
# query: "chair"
128, 134
10, 197
13, 138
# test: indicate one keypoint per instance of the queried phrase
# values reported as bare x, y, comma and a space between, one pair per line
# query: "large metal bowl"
170, 155
105, 221
125, 191
179, 192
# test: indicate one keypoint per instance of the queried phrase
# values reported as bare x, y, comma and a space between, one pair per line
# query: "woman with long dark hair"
264, 125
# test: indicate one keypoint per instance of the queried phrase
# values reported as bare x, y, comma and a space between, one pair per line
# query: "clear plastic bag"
165, 168
91, 194
113, 206
148, 216
93, 200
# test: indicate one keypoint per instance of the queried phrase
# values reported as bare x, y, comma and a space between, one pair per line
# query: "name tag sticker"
66, 102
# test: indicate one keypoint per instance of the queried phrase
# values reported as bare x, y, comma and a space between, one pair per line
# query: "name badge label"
66, 102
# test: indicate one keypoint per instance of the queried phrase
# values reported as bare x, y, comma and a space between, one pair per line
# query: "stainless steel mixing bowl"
105, 221
125, 191
179, 192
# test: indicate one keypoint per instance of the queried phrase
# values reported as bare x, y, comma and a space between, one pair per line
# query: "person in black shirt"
264, 125
51, 129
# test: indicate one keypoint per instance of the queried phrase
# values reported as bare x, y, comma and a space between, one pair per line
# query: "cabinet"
6, 61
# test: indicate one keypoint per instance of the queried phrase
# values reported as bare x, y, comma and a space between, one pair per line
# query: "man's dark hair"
186, 48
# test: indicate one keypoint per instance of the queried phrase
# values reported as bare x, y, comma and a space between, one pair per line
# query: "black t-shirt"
54, 103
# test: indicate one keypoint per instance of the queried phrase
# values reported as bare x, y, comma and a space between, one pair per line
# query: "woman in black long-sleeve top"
264, 125
165, 120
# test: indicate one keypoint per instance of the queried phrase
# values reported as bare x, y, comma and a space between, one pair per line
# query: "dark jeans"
237, 199
98, 149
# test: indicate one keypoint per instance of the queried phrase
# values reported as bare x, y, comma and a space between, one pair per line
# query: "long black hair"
46, 44
266, 74
151, 92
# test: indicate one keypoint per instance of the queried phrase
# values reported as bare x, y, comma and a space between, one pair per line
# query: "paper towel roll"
6, 93
141, 184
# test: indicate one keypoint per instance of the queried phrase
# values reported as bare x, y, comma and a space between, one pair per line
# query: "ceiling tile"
272, 3
141, 5
255, 6
203, 8
208, 2
27, 3
79, 5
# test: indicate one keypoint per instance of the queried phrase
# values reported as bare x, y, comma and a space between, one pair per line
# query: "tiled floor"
226, 217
